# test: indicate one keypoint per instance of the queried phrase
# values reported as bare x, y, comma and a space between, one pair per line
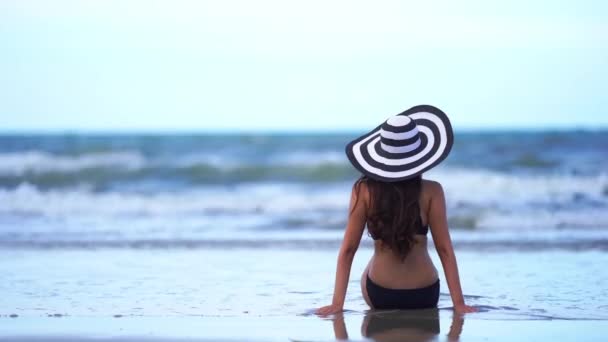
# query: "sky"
300, 65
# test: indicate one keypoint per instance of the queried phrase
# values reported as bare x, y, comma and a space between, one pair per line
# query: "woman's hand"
329, 310
463, 308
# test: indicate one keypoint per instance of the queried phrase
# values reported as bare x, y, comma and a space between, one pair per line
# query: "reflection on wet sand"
397, 325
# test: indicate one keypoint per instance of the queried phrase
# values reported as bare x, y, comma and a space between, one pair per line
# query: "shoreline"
310, 328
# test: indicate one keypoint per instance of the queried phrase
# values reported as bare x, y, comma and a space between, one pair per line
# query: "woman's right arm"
443, 243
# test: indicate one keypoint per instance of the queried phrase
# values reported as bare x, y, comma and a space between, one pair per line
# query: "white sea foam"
477, 199
310, 158
14, 164
260, 198
228, 161
218, 160
490, 187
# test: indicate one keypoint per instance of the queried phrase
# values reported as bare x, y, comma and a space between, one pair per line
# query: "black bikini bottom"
420, 298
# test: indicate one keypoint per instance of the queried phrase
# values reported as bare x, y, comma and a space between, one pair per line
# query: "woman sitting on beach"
399, 207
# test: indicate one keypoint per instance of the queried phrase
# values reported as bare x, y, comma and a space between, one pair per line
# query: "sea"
249, 224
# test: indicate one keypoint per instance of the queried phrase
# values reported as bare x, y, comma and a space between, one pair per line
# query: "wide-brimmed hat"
404, 146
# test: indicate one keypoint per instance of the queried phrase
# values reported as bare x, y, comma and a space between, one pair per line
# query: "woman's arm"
352, 236
443, 243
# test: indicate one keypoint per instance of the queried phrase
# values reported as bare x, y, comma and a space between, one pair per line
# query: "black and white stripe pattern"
404, 146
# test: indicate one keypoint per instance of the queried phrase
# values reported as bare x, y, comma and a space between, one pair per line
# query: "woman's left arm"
352, 237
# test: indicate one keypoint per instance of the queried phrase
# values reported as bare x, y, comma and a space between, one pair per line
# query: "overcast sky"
305, 65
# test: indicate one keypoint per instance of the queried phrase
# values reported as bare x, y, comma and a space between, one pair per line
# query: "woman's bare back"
388, 270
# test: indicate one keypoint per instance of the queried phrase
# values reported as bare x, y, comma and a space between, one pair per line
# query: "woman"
399, 208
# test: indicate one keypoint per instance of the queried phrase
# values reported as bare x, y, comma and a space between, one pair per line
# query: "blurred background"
153, 126
146, 119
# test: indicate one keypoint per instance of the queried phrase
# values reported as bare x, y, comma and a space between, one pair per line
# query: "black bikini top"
422, 229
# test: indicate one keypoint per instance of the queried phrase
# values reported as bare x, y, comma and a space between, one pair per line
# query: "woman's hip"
387, 298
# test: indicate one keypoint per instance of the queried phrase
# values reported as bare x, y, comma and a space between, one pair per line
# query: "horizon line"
255, 131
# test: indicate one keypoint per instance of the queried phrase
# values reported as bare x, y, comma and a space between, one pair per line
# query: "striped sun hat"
404, 146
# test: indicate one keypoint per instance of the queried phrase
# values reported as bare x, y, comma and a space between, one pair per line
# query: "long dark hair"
394, 212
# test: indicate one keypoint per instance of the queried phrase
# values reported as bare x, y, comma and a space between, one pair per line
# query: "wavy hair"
394, 212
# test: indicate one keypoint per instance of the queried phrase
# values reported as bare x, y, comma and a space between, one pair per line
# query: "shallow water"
270, 294
263, 282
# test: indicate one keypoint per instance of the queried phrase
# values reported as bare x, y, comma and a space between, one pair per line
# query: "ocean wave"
39, 162
489, 245
135, 169
477, 200
312, 158
162, 178
499, 188
103, 171
211, 200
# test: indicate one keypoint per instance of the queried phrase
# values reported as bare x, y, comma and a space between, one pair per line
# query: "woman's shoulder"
361, 187
431, 188
360, 193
